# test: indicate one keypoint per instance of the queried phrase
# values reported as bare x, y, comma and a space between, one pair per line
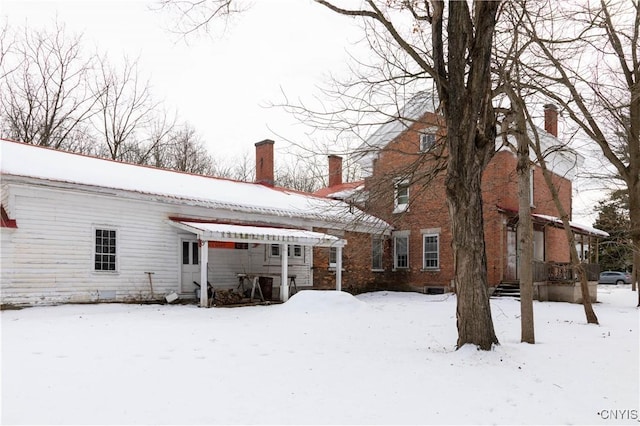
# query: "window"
401, 252
190, 253
297, 251
377, 249
293, 251
427, 141
105, 250
431, 245
333, 257
401, 197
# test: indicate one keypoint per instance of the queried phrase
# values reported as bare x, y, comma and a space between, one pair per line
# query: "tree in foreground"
457, 55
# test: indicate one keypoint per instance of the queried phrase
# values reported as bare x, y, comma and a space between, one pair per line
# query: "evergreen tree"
615, 252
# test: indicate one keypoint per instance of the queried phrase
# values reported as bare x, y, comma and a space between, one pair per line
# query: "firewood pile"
227, 297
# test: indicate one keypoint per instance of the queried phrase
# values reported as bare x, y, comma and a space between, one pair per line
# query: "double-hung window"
401, 251
427, 141
401, 196
431, 251
105, 255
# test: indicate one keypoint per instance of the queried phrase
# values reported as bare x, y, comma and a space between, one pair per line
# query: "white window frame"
95, 253
397, 206
427, 140
424, 252
296, 253
333, 257
377, 241
397, 236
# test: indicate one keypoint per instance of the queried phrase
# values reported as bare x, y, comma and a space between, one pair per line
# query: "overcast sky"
221, 84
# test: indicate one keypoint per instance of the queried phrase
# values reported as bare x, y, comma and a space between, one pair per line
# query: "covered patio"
220, 232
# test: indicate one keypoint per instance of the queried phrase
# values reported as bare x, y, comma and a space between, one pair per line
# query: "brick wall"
428, 212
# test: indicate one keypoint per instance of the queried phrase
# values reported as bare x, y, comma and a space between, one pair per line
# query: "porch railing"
560, 271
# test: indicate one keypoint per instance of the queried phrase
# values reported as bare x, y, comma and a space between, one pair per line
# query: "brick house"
404, 168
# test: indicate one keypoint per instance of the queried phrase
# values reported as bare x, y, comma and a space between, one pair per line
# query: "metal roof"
259, 234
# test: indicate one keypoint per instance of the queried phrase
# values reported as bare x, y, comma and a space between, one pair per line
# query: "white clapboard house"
79, 229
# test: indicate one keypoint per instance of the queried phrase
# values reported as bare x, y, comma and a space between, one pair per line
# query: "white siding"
225, 264
48, 259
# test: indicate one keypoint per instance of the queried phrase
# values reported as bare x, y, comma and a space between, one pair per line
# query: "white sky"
222, 85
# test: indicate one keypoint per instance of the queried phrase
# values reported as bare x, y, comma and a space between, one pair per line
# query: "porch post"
284, 273
204, 260
339, 268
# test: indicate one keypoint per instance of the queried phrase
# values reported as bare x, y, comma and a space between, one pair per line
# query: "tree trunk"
471, 137
525, 239
473, 312
634, 219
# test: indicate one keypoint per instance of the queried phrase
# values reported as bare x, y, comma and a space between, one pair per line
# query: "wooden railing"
560, 271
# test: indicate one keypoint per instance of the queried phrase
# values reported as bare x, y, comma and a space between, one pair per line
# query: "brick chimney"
551, 119
335, 170
264, 162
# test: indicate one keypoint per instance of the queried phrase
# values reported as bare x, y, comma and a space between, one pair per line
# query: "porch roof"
577, 227
557, 222
258, 234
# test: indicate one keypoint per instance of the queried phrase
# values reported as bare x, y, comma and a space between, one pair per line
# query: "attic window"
427, 140
6, 222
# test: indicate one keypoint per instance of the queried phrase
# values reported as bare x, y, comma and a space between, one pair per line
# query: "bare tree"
199, 15
45, 99
125, 109
186, 152
7, 41
156, 138
459, 62
592, 70
513, 51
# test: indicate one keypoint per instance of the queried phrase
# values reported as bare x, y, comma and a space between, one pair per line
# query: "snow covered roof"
259, 234
19, 159
559, 158
584, 229
414, 109
341, 192
557, 222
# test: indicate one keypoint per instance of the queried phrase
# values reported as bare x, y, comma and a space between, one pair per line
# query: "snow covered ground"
321, 358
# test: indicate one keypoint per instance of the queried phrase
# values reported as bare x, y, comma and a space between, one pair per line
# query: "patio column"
339, 268
284, 273
204, 267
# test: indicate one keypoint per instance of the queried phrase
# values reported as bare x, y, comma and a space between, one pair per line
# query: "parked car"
614, 277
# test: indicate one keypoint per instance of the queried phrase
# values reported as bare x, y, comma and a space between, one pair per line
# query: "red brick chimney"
264, 162
551, 119
335, 170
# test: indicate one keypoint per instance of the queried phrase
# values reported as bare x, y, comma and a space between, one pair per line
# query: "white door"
190, 259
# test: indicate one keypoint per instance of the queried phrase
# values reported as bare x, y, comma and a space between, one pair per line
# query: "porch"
555, 282
277, 242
